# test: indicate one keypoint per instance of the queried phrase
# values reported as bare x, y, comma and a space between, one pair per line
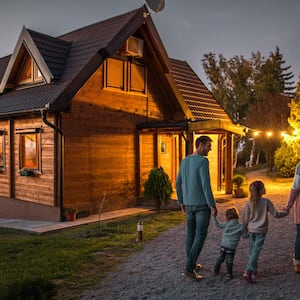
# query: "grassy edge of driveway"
63, 264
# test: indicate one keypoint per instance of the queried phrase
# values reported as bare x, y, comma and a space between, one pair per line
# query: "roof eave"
216, 125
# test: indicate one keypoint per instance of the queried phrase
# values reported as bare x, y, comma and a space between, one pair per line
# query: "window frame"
35, 74
128, 86
23, 166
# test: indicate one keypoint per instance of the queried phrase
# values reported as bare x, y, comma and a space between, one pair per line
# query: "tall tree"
288, 155
230, 82
237, 83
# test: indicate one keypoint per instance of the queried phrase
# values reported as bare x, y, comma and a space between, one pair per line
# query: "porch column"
229, 163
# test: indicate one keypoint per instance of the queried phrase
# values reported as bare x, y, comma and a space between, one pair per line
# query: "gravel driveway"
156, 272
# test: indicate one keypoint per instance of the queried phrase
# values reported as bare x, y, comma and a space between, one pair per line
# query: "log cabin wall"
40, 188
99, 146
5, 172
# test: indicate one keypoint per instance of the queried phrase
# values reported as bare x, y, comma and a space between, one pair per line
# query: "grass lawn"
60, 265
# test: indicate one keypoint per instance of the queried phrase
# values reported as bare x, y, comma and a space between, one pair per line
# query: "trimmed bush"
158, 187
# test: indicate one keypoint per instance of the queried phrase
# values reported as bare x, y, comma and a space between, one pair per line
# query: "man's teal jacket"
193, 182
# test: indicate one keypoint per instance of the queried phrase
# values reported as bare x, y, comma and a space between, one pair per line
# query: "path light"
139, 232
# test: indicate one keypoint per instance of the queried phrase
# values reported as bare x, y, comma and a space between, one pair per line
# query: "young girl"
255, 220
230, 239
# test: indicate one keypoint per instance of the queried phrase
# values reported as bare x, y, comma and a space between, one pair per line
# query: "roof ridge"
97, 23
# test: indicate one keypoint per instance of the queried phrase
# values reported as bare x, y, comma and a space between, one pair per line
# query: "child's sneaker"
253, 276
247, 276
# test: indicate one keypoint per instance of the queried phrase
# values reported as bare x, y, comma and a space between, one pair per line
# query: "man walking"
196, 201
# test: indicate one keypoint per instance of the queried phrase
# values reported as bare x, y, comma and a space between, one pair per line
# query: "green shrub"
285, 160
238, 180
158, 187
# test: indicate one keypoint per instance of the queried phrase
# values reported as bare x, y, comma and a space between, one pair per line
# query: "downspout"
60, 160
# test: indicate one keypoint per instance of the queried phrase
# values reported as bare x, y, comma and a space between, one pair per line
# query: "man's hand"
182, 208
214, 211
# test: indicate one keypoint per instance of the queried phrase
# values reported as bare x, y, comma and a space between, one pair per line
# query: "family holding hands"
197, 202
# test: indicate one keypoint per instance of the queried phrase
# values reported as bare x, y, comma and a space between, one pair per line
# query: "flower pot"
239, 193
70, 216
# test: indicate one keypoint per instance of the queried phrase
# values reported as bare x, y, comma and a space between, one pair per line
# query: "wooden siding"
100, 154
39, 189
147, 159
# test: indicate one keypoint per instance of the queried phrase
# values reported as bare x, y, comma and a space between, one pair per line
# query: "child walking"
230, 239
255, 219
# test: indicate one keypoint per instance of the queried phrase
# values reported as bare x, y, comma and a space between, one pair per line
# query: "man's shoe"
198, 266
194, 275
296, 265
247, 276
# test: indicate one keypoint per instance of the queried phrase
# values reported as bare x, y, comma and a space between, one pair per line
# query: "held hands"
182, 207
214, 211
286, 208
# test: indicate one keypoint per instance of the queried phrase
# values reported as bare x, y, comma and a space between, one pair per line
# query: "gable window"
29, 149
29, 72
125, 75
137, 78
116, 78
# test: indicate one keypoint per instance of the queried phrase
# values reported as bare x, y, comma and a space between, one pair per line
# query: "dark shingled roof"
54, 51
69, 60
198, 98
72, 58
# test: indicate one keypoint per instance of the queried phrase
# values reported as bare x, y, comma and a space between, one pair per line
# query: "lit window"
115, 74
138, 78
29, 71
29, 151
125, 75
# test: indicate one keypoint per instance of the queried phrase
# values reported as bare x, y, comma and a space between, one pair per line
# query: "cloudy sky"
188, 28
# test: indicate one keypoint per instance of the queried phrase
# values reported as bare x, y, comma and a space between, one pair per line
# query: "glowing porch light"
269, 134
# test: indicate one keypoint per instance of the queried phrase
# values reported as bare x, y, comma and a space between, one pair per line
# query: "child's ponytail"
257, 189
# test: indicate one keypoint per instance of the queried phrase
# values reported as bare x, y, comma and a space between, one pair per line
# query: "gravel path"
156, 272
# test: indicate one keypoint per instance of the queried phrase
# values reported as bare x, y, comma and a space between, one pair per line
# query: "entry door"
168, 155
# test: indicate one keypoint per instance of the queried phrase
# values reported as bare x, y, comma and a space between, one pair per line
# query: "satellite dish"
156, 5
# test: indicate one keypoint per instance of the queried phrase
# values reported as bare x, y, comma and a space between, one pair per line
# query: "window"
115, 79
137, 78
30, 150
29, 71
125, 75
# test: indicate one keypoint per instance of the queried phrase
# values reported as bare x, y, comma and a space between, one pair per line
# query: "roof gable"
25, 43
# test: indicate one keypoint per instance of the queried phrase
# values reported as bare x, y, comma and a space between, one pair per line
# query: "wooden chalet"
91, 112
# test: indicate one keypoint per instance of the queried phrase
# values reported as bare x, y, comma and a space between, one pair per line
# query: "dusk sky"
188, 28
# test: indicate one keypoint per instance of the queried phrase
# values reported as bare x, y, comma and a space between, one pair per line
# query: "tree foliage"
288, 155
237, 82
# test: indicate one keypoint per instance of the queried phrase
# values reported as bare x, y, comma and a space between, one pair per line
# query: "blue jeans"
256, 241
297, 243
197, 217
228, 254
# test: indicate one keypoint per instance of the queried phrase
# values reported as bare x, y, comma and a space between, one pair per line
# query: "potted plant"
70, 214
238, 180
158, 187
